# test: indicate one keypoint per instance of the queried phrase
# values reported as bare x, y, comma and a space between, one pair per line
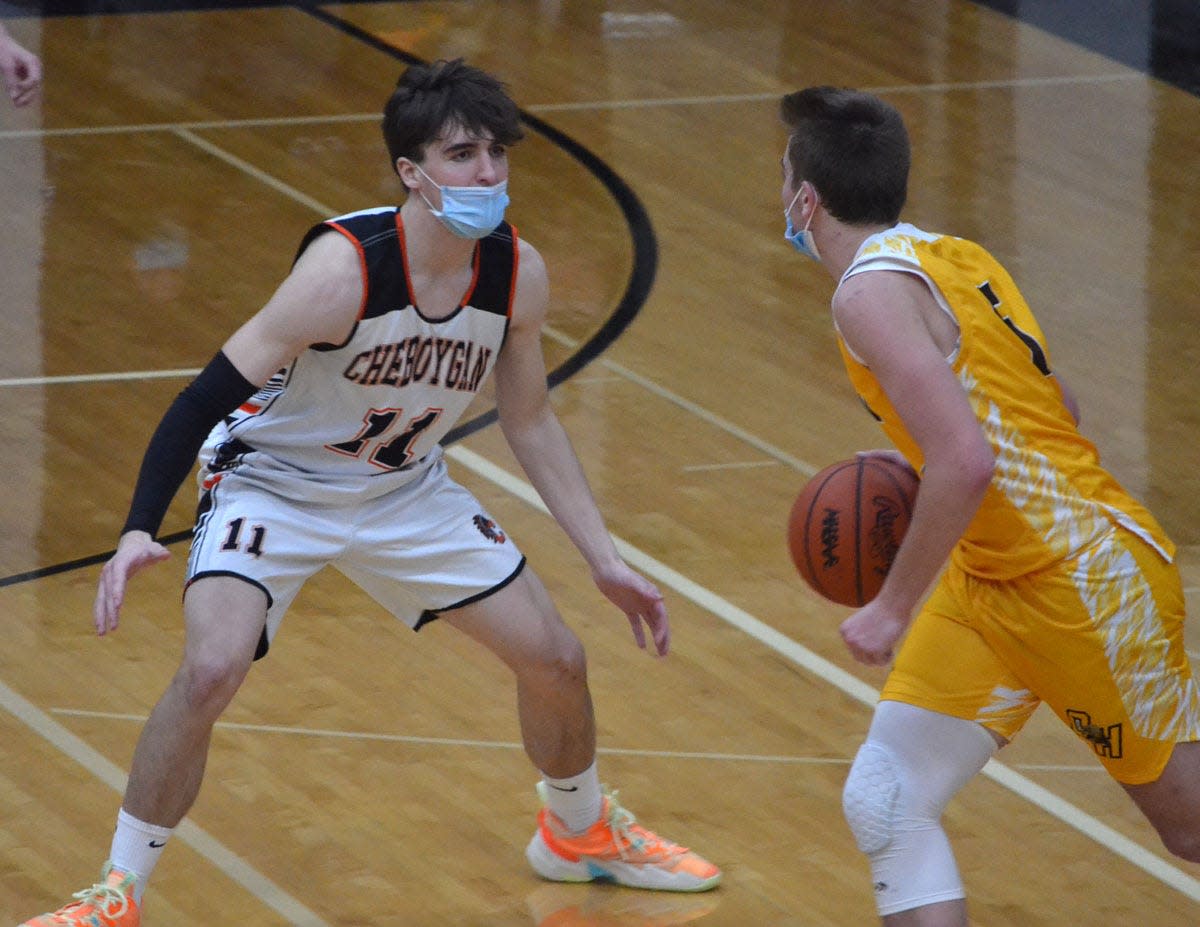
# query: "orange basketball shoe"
616, 849
108, 903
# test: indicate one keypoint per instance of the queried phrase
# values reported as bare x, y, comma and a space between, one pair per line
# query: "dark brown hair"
853, 148
431, 99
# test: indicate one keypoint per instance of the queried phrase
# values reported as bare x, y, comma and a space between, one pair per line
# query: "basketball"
847, 524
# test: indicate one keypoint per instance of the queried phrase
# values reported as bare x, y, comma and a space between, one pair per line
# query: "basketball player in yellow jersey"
1060, 588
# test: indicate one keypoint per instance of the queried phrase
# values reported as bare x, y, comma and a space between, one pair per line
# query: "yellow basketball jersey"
1049, 496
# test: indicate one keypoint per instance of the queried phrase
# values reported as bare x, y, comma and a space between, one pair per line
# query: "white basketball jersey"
378, 404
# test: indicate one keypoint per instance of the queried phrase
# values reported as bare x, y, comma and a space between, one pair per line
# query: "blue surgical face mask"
802, 239
469, 212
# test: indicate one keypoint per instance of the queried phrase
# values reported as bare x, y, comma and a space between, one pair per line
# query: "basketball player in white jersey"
317, 426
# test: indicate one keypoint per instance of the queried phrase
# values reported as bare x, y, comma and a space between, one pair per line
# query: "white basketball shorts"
425, 547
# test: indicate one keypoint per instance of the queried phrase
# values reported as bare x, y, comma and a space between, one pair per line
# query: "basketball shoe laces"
634, 843
108, 901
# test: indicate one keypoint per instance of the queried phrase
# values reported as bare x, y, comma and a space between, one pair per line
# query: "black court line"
637, 289
114, 7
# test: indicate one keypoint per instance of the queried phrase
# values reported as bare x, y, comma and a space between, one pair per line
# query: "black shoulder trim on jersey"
309, 237
375, 236
497, 268
387, 284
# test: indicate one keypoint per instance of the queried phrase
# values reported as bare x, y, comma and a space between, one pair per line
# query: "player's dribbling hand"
135, 551
641, 602
871, 634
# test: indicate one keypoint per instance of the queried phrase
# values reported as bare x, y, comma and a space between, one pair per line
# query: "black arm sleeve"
217, 390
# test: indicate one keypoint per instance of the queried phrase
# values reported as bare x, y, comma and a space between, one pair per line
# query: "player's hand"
641, 602
20, 72
135, 551
872, 633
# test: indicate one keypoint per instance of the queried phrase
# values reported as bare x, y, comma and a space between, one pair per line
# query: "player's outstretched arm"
316, 303
544, 450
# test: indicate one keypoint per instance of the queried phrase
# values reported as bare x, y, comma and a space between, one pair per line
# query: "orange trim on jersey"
412, 297
516, 267
466, 298
362, 264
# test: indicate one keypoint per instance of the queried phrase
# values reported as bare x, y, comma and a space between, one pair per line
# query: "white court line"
99, 377
584, 105
650, 386
199, 840
744, 465
261, 176
461, 742
415, 740
802, 656
693, 408
134, 128
719, 99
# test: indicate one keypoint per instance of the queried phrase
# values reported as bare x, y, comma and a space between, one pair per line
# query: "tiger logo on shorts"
489, 529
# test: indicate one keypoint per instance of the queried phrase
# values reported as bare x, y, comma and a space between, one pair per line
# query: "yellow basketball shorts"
1098, 638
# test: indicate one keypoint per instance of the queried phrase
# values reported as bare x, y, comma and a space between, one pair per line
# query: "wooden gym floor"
369, 776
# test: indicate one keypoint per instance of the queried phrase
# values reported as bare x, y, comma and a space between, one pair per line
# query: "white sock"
575, 801
136, 847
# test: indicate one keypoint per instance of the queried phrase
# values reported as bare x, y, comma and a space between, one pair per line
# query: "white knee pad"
869, 798
911, 764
